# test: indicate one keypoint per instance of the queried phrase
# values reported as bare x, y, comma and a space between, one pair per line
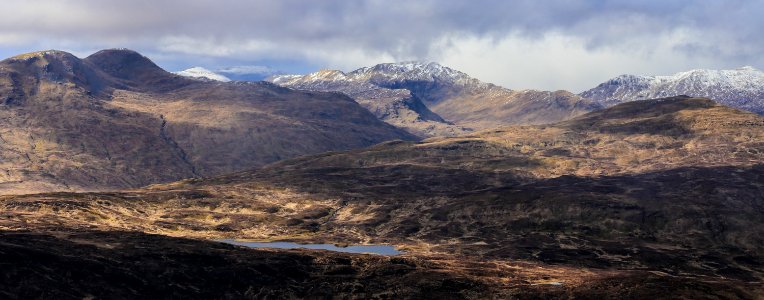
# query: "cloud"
247, 70
349, 34
559, 61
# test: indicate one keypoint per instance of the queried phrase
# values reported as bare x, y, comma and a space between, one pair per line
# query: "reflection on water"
373, 249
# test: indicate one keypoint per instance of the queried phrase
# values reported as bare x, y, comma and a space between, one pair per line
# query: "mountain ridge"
454, 96
740, 88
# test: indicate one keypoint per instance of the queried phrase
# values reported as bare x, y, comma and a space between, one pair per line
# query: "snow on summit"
388, 72
740, 88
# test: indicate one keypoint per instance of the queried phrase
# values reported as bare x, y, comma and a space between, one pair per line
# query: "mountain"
647, 199
117, 120
398, 107
199, 72
400, 92
741, 88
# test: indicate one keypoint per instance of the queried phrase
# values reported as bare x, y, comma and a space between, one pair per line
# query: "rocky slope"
407, 94
741, 88
116, 120
672, 187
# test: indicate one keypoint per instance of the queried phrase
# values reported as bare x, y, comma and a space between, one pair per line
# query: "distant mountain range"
740, 88
429, 99
432, 83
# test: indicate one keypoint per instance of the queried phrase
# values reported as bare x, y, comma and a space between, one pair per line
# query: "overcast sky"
550, 45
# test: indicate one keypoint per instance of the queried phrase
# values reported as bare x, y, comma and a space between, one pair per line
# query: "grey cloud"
400, 29
393, 26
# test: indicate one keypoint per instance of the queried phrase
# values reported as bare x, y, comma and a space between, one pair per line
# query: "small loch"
368, 249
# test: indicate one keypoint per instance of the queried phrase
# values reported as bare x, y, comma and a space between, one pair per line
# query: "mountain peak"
118, 51
423, 74
411, 65
117, 61
413, 69
135, 70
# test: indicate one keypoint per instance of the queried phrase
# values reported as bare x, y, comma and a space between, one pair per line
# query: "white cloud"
214, 46
558, 61
247, 70
336, 56
12, 38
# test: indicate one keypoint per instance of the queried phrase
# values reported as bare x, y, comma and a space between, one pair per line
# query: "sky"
548, 45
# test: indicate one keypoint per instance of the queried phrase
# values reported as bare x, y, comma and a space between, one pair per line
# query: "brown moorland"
649, 199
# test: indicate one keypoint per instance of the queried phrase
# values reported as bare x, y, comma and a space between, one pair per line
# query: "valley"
657, 198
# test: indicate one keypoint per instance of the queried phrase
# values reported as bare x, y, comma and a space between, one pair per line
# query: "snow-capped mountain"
410, 72
445, 92
199, 72
407, 75
740, 88
398, 107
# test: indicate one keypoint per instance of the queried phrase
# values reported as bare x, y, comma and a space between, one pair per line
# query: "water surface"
372, 249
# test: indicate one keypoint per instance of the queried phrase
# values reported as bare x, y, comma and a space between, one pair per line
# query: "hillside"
433, 100
672, 184
630, 138
116, 120
741, 88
